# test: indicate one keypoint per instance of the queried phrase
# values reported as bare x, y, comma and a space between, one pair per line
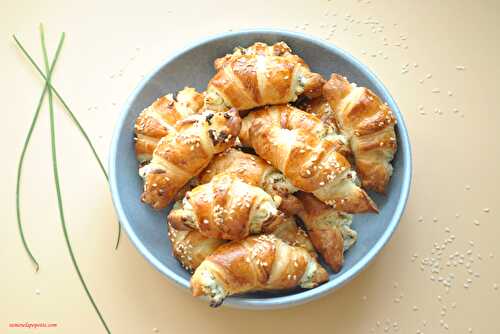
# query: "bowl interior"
194, 67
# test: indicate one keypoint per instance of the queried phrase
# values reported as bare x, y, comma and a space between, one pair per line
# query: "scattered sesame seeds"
37, 292
486, 210
156, 330
460, 68
428, 76
436, 90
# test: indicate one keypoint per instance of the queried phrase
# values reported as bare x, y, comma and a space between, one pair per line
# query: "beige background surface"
111, 45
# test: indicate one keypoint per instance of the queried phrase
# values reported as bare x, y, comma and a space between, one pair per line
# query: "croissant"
262, 262
245, 81
154, 122
369, 125
307, 153
254, 171
258, 48
328, 229
225, 208
185, 152
191, 247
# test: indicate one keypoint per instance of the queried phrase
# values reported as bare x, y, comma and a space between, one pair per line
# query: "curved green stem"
56, 179
75, 120
23, 153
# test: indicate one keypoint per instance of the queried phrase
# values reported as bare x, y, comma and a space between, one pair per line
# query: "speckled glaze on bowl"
193, 66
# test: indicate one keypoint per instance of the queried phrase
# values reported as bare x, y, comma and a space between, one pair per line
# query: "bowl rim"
303, 296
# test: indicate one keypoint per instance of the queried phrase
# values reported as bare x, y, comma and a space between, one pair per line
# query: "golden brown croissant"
154, 122
258, 48
185, 152
225, 208
308, 153
262, 262
328, 229
191, 247
245, 81
369, 125
254, 171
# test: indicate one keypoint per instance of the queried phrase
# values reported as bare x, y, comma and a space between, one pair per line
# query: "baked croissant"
225, 208
258, 48
154, 122
308, 153
191, 247
369, 125
328, 229
185, 152
245, 81
254, 171
262, 262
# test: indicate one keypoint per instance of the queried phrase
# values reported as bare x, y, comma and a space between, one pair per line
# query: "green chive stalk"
56, 179
23, 153
78, 125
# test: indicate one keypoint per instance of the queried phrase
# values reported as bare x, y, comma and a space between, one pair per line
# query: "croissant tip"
373, 206
216, 303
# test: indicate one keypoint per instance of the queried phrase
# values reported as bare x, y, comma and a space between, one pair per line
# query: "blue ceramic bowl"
193, 66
